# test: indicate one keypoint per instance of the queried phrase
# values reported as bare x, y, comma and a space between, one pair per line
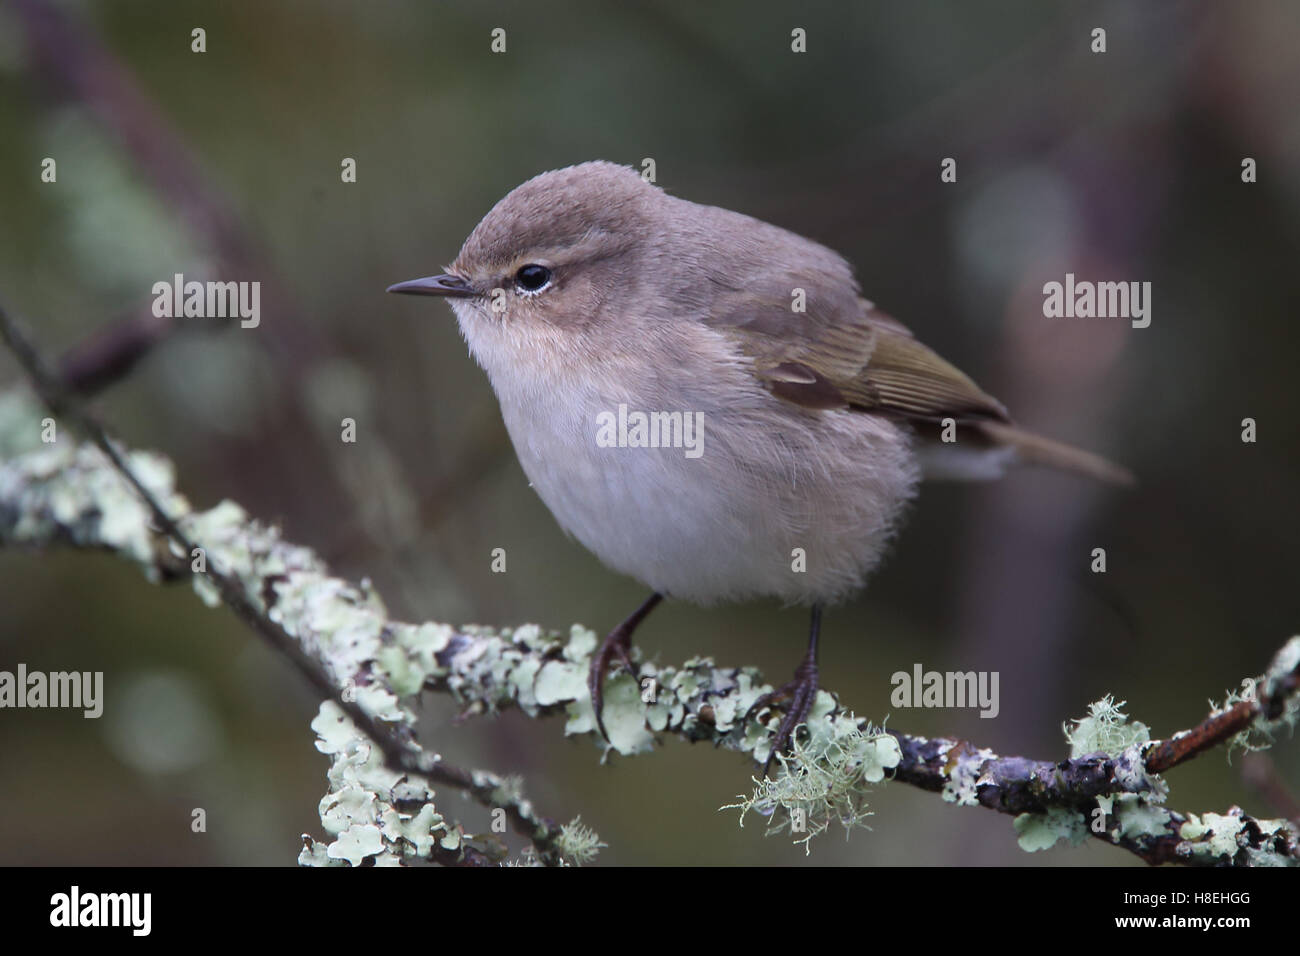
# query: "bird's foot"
616, 646
800, 692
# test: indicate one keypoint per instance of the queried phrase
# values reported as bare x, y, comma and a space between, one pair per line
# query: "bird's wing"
871, 362
836, 350
905, 377
846, 353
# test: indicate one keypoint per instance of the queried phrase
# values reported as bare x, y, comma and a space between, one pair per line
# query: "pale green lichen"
1137, 816
355, 843
62, 490
578, 843
1041, 831
1259, 735
422, 642
581, 644
1106, 730
625, 716
730, 710
687, 684
1262, 732
824, 780
1210, 834
509, 790
559, 681
1225, 838
374, 814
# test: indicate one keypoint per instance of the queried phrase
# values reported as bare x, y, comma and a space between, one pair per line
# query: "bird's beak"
452, 287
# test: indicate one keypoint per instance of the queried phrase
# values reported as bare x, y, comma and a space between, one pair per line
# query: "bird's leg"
617, 643
801, 692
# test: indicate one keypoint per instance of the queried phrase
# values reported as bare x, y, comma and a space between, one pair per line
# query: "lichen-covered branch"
1110, 789
93, 494
143, 511
67, 493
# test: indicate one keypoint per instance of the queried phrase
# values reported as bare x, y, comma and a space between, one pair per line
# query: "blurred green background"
1124, 165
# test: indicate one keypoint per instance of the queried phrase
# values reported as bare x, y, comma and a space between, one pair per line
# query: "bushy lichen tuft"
824, 780
527, 858
578, 843
1262, 732
1106, 730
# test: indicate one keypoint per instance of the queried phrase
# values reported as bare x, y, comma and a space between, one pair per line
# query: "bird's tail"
1036, 449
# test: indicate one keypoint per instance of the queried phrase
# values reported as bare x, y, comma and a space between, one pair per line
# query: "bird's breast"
708, 492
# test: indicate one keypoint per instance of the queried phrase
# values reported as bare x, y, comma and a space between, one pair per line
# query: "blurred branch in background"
1260, 773
373, 670
73, 61
70, 60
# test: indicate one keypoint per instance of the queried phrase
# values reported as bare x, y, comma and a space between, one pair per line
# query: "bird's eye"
532, 277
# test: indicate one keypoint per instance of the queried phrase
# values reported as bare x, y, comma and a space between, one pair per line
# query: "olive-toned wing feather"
857, 357
794, 309
871, 362
907, 378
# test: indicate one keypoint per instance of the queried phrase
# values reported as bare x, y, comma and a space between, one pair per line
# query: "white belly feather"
730, 524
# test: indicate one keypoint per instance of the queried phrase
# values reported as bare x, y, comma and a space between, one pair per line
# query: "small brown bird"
708, 403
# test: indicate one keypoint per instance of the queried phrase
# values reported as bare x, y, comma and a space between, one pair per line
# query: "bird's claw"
801, 692
616, 646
